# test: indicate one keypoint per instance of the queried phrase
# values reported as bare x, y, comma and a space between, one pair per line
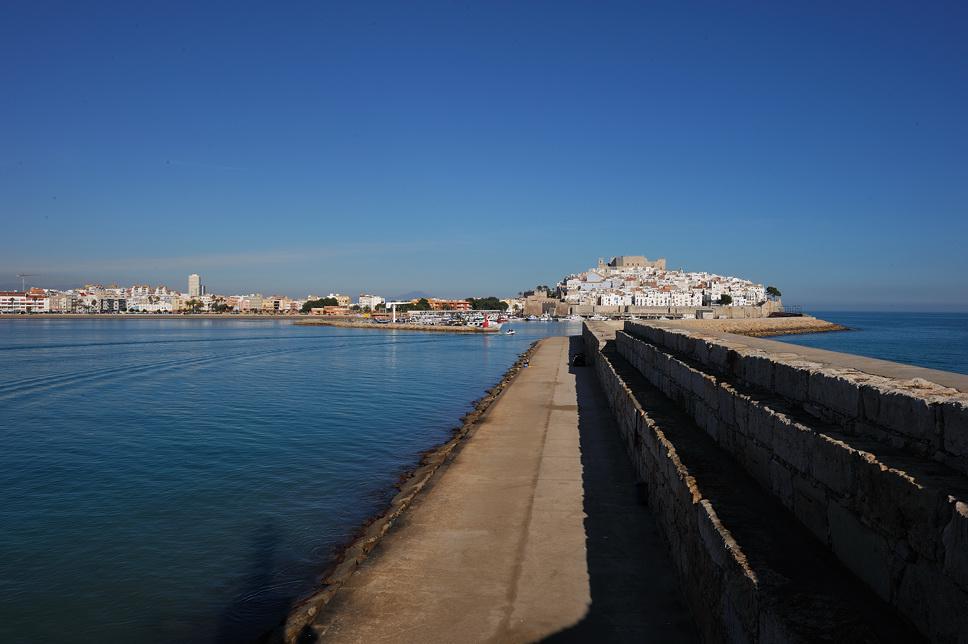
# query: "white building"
369, 301
32, 301
195, 288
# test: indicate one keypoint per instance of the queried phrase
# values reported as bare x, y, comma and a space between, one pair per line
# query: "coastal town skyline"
622, 281
468, 148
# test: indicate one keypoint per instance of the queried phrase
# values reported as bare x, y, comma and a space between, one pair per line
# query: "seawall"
804, 494
309, 607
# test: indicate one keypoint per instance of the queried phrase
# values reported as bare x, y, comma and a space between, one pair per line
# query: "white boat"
490, 325
532, 318
598, 318
509, 332
545, 318
574, 318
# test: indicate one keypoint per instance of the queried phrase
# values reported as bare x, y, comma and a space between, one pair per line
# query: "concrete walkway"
503, 545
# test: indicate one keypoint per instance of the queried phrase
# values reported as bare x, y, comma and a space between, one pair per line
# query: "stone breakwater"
397, 327
805, 495
762, 327
409, 487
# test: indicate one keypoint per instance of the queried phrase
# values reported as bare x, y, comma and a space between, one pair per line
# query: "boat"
489, 325
598, 318
532, 318
509, 332
574, 318
545, 318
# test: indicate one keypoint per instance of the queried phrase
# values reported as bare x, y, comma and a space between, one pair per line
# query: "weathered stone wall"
917, 415
717, 582
872, 467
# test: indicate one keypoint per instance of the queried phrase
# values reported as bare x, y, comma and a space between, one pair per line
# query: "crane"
393, 306
23, 280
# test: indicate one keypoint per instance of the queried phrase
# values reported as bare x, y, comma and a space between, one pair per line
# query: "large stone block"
719, 358
936, 605
955, 539
725, 404
781, 483
792, 443
791, 381
810, 507
861, 549
899, 505
757, 370
954, 417
761, 421
834, 392
909, 415
741, 412
833, 463
756, 460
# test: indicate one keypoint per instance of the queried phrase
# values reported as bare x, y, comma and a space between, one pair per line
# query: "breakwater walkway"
534, 530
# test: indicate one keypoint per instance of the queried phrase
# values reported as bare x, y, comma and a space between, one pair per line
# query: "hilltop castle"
633, 261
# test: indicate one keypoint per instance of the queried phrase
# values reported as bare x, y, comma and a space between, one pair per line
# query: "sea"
187, 480
933, 340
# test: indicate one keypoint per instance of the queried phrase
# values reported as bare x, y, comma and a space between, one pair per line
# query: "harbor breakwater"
296, 624
391, 326
805, 495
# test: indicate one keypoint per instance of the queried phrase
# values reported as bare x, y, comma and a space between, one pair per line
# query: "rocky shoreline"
411, 483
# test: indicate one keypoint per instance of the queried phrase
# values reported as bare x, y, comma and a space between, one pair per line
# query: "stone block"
933, 603
781, 483
719, 358
909, 415
757, 462
835, 393
761, 420
790, 381
757, 370
701, 352
899, 506
955, 540
865, 552
954, 418
833, 463
792, 443
810, 507
710, 393
725, 404
741, 412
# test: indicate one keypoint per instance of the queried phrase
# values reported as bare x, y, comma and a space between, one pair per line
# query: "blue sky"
480, 148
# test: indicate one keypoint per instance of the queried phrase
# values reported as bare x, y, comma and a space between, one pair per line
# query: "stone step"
898, 520
751, 571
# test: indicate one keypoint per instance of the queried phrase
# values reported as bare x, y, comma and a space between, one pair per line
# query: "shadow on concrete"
635, 593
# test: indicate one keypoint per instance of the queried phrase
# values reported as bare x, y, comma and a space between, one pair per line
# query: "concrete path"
502, 545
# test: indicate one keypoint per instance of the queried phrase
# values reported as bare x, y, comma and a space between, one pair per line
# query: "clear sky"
474, 148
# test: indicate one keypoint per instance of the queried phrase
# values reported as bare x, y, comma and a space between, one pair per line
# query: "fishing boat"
490, 325
509, 332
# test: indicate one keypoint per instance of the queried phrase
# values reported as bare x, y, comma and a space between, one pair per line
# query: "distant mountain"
412, 295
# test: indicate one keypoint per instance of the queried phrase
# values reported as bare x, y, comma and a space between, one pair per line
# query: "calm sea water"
934, 340
170, 481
